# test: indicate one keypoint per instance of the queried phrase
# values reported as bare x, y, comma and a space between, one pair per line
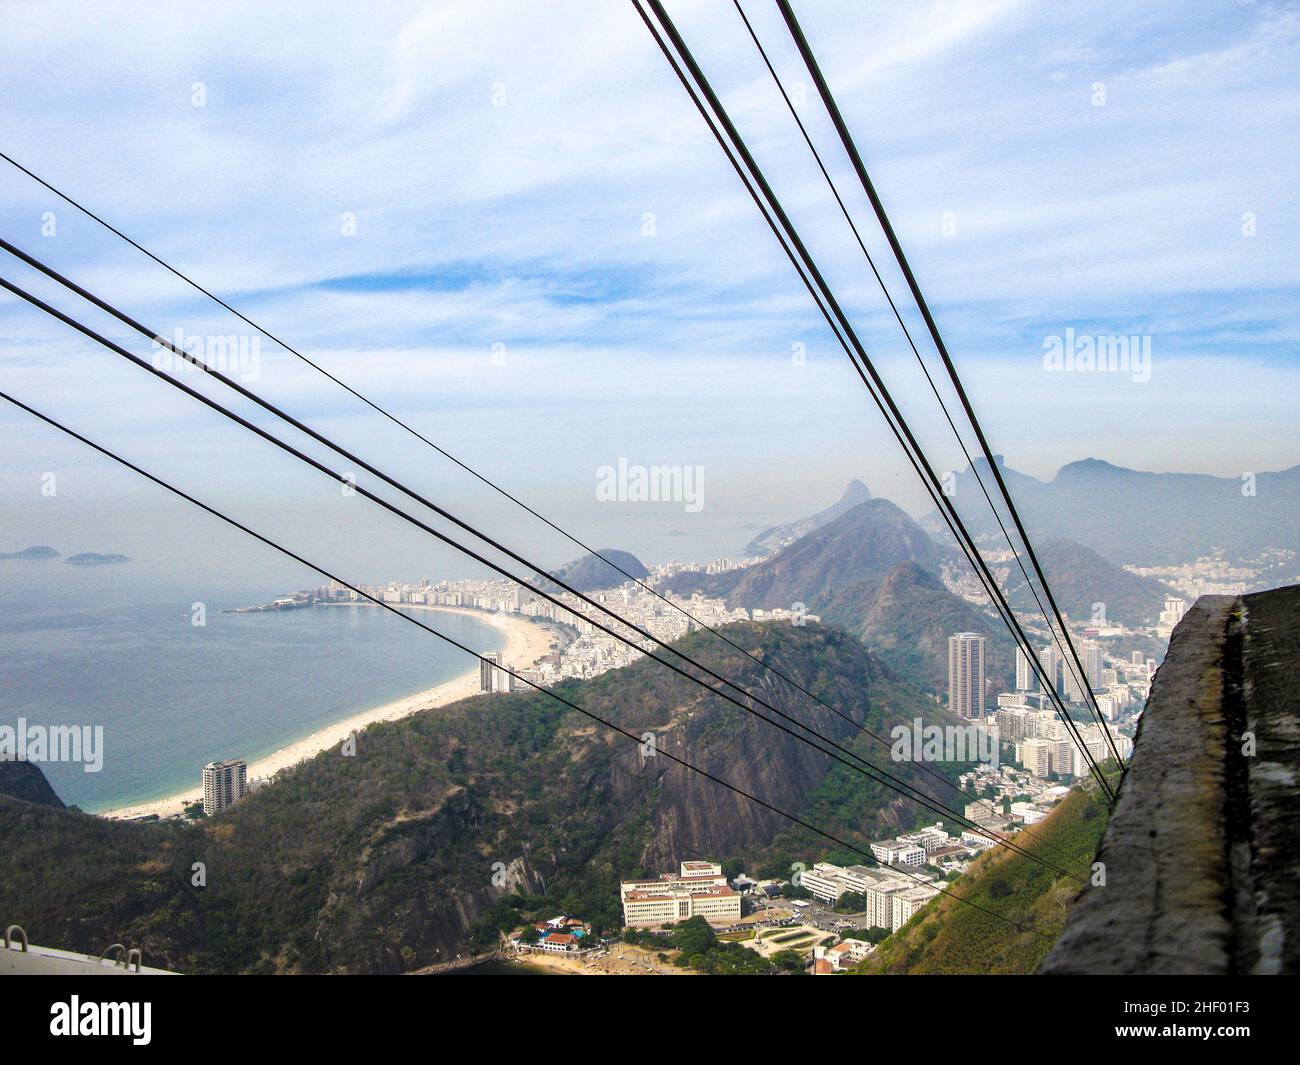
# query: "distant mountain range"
1136, 518
876, 572
592, 572
906, 617
769, 541
1081, 579
865, 541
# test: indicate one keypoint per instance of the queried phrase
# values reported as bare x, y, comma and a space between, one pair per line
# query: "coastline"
525, 643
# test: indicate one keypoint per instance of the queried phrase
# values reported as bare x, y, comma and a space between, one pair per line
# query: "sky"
506, 223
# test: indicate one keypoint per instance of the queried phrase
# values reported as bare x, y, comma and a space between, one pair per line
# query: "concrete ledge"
1269, 931
1166, 903
1201, 856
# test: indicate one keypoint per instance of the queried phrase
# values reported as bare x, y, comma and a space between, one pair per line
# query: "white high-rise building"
1051, 661
1036, 756
1173, 612
224, 783
491, 677
1026, 680
966, 674
1071, 686
1094, 663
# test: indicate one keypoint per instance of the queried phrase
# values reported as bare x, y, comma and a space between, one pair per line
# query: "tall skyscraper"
491, 677
224, 783
1051, 661
1026, 680
966, 674
1071, 686
1093, 663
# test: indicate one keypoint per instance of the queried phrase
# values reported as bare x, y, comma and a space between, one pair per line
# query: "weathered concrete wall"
1201, 860
1165, 904
1269, 940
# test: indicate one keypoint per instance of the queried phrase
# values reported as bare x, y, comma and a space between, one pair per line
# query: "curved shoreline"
525, 643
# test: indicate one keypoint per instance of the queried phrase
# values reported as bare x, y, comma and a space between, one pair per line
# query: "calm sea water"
104, 645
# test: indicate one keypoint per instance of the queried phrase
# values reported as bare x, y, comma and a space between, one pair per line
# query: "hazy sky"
1106, 168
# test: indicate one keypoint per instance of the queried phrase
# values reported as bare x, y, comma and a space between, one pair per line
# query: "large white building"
224, 783
491, 677
1036, 755
1051, 661
1026, 678
898, 852
966, 674
906, 904
890, 898
698, 890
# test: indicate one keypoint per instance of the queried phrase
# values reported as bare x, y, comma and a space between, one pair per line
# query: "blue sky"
500, 160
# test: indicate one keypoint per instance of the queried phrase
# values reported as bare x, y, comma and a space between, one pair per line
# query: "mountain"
906, 618
24, 780
866, 541
950, 938
1081, 579
1132, 517
771, 540
446, 825
30, 553
592, 572
90, 558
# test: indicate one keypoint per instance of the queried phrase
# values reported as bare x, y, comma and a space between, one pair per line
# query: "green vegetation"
700, 949
850, 902
443, 828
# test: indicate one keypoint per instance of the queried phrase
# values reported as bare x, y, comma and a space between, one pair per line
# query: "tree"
851, 902
694, 936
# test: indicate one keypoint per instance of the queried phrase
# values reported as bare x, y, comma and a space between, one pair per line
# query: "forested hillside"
385, 862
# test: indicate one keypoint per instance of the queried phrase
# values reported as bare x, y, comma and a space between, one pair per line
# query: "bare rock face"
24, 780
1200, 852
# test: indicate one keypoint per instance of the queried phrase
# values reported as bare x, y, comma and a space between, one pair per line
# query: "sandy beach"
525, 643
622, 959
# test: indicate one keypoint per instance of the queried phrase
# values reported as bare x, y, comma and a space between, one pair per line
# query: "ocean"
109, 646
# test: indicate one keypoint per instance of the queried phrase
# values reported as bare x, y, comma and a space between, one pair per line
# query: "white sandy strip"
526, 642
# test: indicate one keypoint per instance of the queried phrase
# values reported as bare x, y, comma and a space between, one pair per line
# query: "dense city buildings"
891, 899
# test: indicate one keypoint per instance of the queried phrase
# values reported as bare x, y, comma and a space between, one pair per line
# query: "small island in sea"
40, 553
30, 553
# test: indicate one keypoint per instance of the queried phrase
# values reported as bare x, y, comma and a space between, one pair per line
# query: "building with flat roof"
907, 903
224, 784
966, 675
898, 852
698, 890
